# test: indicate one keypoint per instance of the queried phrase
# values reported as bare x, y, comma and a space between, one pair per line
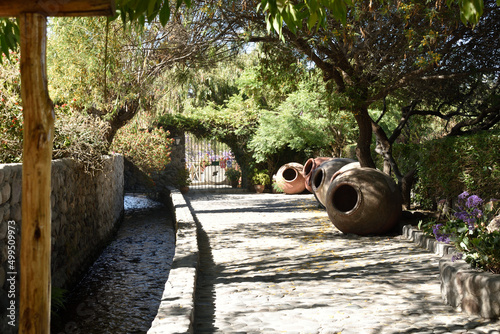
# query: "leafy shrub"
233, 174
447, 166
147, 147
467, 230
183, 177
11, 111
261, 177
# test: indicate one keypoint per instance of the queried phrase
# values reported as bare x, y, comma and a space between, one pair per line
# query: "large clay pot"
309, 168
289, 177
323, 174
363, 201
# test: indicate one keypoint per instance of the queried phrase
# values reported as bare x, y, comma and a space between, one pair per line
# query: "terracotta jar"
309, 168
323, 174
289, 177
363, 201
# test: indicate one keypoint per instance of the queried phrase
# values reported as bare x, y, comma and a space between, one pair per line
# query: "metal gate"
207, 162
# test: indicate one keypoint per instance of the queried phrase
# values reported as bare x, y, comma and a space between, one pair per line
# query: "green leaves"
9, 37
470, 10
164, 15
293, 14
315, 12
142, 11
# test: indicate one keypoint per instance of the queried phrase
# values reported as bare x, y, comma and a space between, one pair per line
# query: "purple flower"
463, 196
457, 256
469, 212
473, 201
440, 236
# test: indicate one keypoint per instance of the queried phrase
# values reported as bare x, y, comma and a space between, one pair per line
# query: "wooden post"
38, 112
37, 158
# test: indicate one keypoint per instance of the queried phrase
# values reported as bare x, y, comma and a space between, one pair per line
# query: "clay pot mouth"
346, 198
290, 174
308, 167
318, 177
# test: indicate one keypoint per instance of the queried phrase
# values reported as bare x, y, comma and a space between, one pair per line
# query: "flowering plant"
149, 149
467, 231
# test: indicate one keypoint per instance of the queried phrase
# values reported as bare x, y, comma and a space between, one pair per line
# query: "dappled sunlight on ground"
276, 263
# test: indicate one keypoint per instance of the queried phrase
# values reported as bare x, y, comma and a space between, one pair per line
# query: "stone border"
472, 291
176, 310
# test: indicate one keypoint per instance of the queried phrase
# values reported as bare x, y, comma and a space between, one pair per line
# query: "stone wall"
86, 210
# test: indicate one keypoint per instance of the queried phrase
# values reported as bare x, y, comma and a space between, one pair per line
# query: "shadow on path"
277, 264
204, 302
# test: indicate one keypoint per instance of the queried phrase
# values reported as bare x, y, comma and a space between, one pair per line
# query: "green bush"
233, 174
448, 166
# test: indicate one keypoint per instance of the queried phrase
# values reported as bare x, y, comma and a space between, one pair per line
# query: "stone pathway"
273, 263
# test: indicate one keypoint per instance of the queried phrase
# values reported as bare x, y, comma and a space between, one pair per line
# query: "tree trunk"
384, 148
406, 184
37, 155
243, 161
363, 151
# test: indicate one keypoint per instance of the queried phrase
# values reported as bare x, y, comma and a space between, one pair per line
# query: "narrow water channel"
122, 290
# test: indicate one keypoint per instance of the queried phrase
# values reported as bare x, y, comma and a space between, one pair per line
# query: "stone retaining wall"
86, 210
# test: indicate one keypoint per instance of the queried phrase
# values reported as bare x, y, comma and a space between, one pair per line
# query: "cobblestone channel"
122, 290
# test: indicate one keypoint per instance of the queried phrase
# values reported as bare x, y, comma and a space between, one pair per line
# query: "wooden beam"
38, 135
10, 8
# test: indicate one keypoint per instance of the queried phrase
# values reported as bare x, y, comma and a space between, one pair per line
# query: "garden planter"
363, 201
259, 188
184, 189
289, 177
323, 174
309, 167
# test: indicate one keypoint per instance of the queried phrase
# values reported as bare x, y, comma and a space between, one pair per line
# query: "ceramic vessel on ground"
184, 189
363, 201
322, 176
289, 177
309, 168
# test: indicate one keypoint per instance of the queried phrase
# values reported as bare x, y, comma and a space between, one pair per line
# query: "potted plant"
260, 179
183, 180
233, 175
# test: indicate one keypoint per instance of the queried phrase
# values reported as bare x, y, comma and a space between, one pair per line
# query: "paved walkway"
273, 263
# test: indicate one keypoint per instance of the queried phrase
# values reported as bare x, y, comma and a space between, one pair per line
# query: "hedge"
448, 166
